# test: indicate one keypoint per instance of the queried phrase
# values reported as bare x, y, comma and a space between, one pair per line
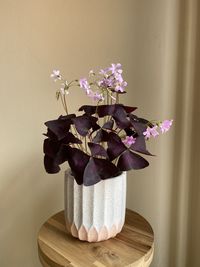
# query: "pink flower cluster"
129, 140
153, 131
87, 88
112, 78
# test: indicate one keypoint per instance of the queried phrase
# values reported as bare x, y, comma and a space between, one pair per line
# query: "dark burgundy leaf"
130, 160
101, 136
106, 169
91, 175
56, 151
84, 123
51, 135
95, 126
62, 155
129, 109
67, 117
108, 125
130, 132
120, 117
50, 165
59, 127
115, 146
104, 110
97, 150
70, 138
77, 161
101, 110
51, 147
98, 169
140, 146
139, 124
90, 110
139, 127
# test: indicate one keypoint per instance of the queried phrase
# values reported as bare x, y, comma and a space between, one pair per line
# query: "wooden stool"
133, 247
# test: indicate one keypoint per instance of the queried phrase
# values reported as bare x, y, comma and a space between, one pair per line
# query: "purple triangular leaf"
115, 146
101, 136
98, 169
130, 160
77, 161
90, 110
51, 147
84, 123
70, 138
91, 175
139, 124
97, 150
120, 117
51, 135
104, 110
140, 146
130, 132
139, 127
108, 125
56, 151
50, 165
106, 169
59, 127
129, 109
67, 117
62, 155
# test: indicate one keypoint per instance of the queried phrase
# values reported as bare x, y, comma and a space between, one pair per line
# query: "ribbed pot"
95, 213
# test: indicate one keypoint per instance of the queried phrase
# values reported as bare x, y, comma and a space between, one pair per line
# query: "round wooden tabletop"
133, 247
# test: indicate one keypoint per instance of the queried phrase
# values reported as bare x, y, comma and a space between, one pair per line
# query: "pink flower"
85, 85
129, 140
120, 87
165, 125
96, 96
151, 132
147, 133
154, 132
104, 71
116, 68
56, 75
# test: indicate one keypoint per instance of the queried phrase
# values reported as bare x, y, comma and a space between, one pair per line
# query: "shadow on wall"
27, 200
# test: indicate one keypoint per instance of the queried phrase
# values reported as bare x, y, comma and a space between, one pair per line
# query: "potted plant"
100, 144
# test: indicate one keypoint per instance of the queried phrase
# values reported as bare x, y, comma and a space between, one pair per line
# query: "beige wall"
75, 36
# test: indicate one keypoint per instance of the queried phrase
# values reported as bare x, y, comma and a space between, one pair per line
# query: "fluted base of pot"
95, 213
92, 235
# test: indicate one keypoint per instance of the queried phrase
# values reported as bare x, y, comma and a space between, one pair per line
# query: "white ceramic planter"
95, 213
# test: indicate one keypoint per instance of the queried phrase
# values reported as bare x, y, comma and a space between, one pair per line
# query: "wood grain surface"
133, 247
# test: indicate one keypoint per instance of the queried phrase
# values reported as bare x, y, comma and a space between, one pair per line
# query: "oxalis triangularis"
106, 138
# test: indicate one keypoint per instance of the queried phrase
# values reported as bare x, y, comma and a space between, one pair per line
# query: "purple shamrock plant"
107, 138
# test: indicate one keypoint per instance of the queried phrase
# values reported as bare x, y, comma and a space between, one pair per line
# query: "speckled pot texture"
95, 213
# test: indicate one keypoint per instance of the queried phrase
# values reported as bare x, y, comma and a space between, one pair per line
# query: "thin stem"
65, 103
86, 144
107, 97
117, 98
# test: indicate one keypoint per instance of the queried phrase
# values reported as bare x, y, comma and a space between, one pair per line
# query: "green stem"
117, 98
62, 102
65, 103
